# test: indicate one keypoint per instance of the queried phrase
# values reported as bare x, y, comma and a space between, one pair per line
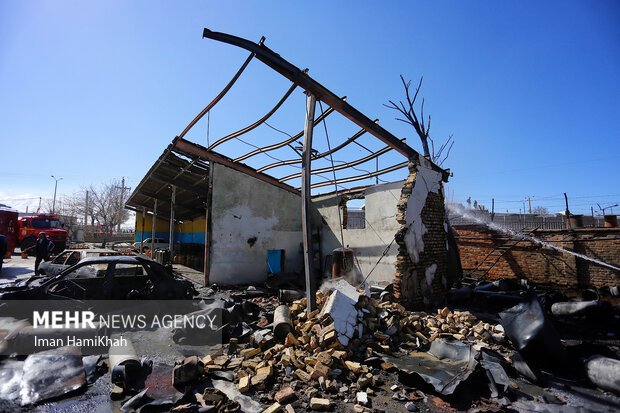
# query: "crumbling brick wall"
410, 282
546, 267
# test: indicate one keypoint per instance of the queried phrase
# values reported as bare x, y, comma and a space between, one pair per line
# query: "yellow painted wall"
188, 231
161, 225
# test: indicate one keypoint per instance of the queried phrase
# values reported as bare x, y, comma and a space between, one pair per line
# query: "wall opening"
354, 213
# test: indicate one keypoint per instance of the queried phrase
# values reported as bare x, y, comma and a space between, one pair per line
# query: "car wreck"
105, 278
71, 257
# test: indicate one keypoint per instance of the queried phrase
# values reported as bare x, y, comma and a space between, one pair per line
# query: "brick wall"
409, 279
546, 266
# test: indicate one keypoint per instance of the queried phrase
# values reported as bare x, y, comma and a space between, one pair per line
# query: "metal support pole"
208, 225
142, 235
306, 204
172, 201
153, 228
205, 261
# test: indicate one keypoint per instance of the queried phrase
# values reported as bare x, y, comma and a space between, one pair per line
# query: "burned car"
106, 278
67, 258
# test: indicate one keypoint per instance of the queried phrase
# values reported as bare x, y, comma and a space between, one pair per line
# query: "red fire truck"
9, 227
31, 226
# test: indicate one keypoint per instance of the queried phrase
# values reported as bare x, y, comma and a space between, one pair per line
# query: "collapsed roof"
185, 165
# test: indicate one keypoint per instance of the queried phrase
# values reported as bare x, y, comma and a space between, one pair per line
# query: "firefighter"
42, 250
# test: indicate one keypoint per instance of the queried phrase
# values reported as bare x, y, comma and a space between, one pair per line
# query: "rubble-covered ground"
493, 348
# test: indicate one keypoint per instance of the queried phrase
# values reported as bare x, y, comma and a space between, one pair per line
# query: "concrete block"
319, 404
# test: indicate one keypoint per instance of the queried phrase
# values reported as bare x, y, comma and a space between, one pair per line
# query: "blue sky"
94, 91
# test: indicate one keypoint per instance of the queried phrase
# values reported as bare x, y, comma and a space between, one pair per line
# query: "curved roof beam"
343, 166
222, 93
360, 177
255, 124
283, 143
319, 156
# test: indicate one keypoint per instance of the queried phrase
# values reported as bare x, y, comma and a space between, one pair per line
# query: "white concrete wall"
244, 207
368, 243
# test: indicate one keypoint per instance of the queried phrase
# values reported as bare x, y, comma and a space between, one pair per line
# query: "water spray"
499, 228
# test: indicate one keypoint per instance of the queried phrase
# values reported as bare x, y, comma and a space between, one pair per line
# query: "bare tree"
540, 210
423, 130
108, 207
46, 206
83, 206
103, 205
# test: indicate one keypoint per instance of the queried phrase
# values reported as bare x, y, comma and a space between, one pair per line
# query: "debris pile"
354, 351
460, 325
336, 352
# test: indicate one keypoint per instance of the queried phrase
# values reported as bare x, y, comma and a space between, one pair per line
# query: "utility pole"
120, 204
86, 210
55, 186
492, 209
530, 204
567, 212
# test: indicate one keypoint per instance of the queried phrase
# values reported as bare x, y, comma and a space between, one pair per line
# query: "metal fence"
518, 222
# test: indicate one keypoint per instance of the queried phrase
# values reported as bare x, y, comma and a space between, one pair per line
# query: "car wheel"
28, 242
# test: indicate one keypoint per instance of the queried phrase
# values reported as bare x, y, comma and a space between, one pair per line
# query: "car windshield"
61, 258
45, 223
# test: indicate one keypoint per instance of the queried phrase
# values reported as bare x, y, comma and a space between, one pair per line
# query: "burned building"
226, 215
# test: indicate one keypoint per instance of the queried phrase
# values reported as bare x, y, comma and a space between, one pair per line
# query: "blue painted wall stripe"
182, 237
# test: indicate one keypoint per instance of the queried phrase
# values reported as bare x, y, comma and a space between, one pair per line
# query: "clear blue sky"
93, 91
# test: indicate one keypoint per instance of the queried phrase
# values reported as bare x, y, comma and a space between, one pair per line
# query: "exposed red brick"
545, 266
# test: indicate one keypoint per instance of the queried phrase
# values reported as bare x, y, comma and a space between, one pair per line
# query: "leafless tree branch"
423, 131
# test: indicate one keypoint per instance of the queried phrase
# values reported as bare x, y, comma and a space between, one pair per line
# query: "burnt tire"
27, 242
59, 247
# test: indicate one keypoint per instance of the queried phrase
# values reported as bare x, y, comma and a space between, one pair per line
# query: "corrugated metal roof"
189, 175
